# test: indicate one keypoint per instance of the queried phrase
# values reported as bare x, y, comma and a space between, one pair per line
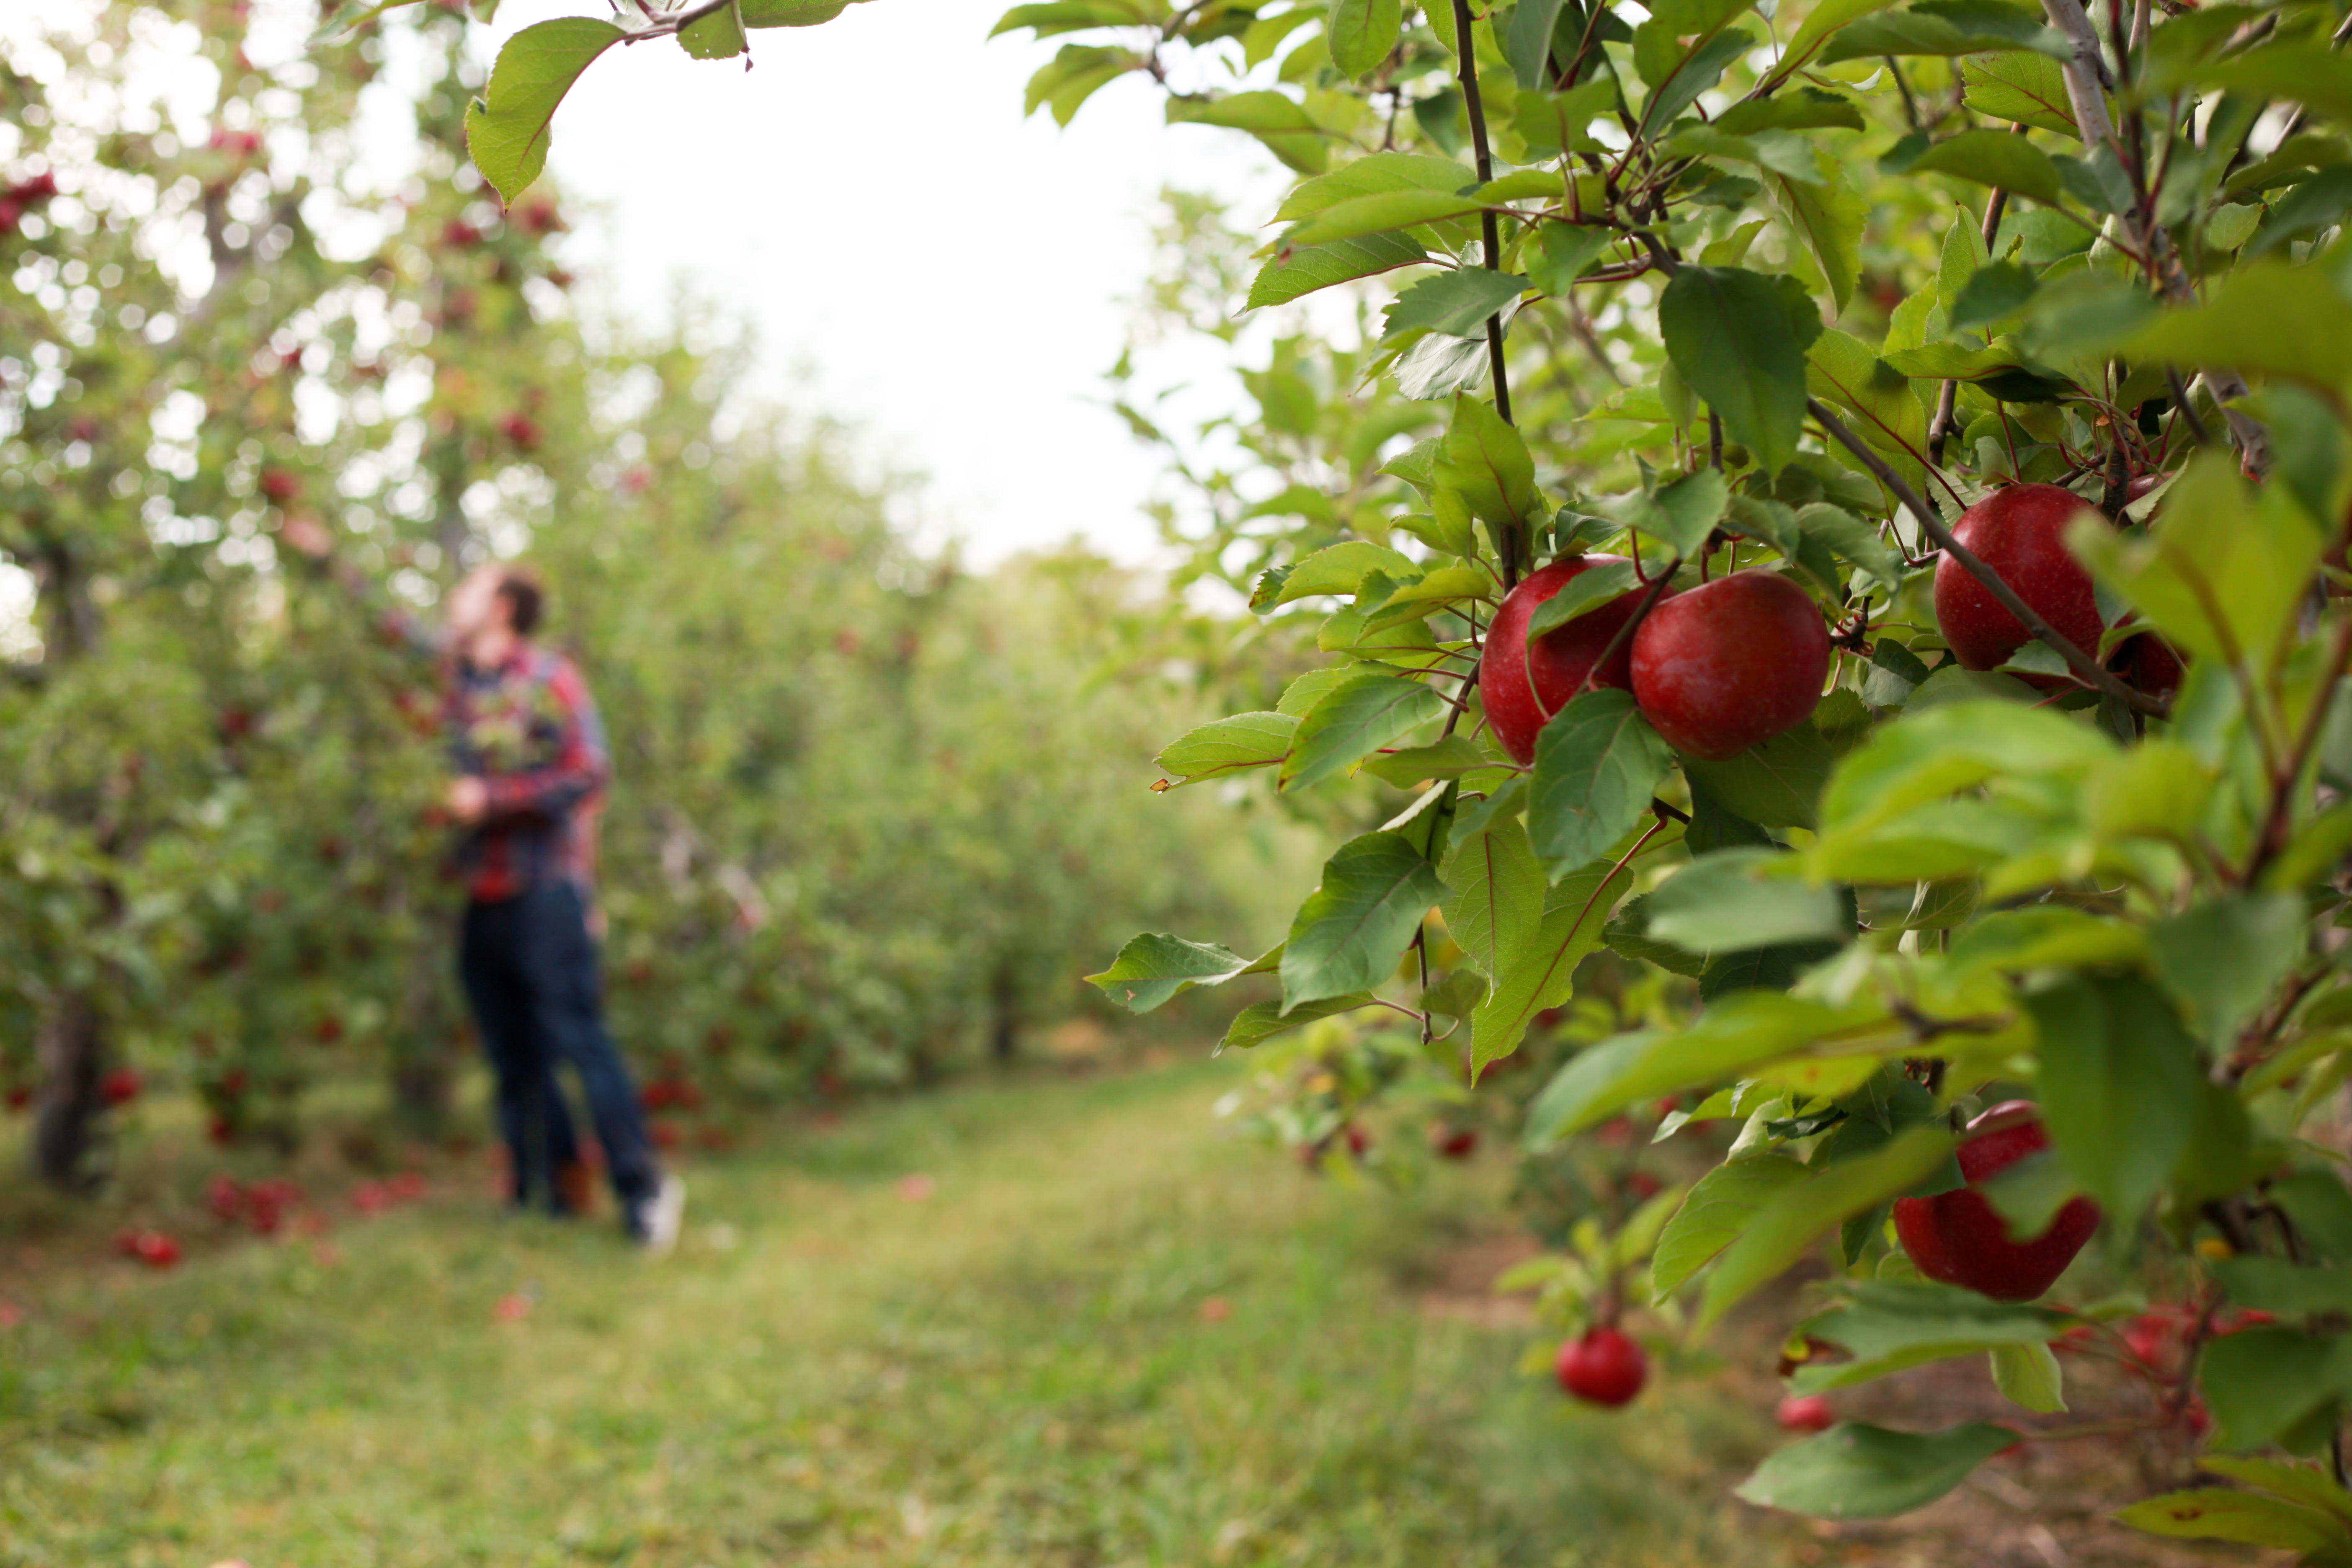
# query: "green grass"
1015, 1371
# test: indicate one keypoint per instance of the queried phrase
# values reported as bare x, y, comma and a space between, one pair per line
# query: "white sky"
914, 255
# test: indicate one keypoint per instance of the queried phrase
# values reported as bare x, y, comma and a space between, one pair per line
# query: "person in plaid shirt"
529, 755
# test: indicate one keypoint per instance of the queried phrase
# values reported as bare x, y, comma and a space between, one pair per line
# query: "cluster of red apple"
1732, 663
1956, 1237
262, 1206
22, 197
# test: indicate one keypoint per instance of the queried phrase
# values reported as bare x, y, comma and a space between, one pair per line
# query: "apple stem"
2086, 669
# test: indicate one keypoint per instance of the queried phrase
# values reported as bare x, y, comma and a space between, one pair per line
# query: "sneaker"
654, 1223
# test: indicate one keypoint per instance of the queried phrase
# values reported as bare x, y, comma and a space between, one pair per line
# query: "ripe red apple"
2151, 663
19, 1096
1523, 687
280, 486
155, 1250
1960, 1238
1730, 664
2020, 533
119, 1087
1805, 1413
1450, 1141
1603, 1368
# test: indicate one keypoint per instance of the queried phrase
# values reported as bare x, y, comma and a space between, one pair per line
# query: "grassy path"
1016, 1371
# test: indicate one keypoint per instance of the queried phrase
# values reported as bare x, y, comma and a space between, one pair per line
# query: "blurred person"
529, 754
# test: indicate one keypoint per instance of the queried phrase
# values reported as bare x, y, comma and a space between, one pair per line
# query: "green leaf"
1995, 158
2214, 1513
1528, 44
1947, 28
1992, 294
1720, 903
2029, 1376
507, 128
1361, 33
1486, 462
1820, 23
1225, 746
1334, 569
2261, 1382
1717, 1209
2021, 86
1598, 763
1732, 1038
1738, 338
2222, 546
790, 12
1376, 174
1288, 132
1541, 974
2276, 1285
1795, 1219
1775, 784
1355, 718
1498, 899
1302, 269
717, 37
1679, 515
1853, 1471
1153, 967
2268, 317
2316, 77
1807, 109
1554, 123
1263, 1020
1957, 746
1628, 936
2221, 960
1582, 595
1562, 252
1456, 304
1379, 214
1841, 369
1350, 931
2311, 1487
1691, 75
1449, 758
1828, 213
1056, 17
2119, 1081
1888, 1326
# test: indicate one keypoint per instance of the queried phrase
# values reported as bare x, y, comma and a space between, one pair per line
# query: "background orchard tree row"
868, 819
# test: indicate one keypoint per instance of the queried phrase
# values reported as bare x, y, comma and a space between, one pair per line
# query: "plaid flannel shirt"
530, 731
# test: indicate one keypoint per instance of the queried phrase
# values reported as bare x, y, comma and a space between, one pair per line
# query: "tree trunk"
71, 1049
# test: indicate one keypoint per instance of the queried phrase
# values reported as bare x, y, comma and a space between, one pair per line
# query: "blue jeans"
530, 969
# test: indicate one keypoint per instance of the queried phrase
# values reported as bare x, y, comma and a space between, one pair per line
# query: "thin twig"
1939, 429
2086, 668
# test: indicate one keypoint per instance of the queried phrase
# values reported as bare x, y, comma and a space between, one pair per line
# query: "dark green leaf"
1888, 1326
1628, 936
2119, 1080
1717, 1209
1947, 28
1995, 158
2221, 960
2261, 1382
1262, 1020
1541, 972
2276, 1285
1725, 903
1486, 462
1738, 338
1795, 1219
1562, 252
1993, 293
1598, 763
1350, 931
1853, 1471
1581, 594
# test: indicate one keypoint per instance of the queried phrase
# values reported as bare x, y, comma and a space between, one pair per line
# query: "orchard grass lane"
1016, 1371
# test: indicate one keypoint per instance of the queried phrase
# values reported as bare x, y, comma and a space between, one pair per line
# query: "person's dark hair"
525, 596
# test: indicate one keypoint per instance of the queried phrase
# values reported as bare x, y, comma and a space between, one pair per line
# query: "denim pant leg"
534, 1121
568, 1011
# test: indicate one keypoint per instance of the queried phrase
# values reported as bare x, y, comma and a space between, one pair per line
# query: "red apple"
1603, 1368
1358, 1141
1730, 664
2151, 663
1960, 1238
1451, 1142
155, 1250
1806, 1412
19, 1096
1523, 687
119, 1087
2021, 533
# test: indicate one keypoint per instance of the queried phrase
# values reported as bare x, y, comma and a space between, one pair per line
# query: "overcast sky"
913, 254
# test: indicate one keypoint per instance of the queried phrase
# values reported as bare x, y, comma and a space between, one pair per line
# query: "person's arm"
310, 537
582, 767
